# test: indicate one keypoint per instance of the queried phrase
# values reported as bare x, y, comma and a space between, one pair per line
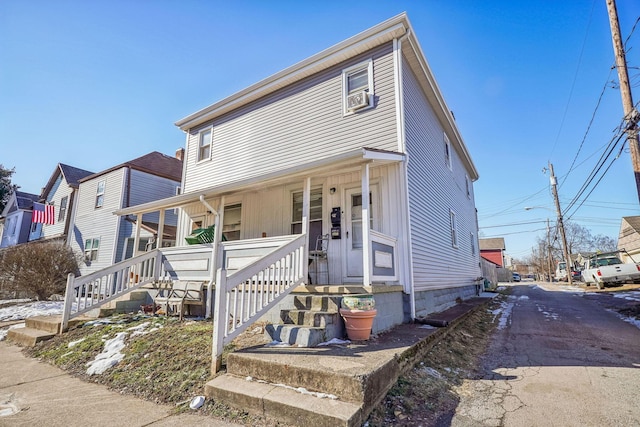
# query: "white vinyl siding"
59, 190
91, 222
435, 191
297, 124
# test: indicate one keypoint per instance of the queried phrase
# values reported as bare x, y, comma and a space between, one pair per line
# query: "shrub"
37, 269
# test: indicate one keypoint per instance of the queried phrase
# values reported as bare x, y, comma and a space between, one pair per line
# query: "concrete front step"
317, 302
300, 336
284, 404
28, 337
273, 366
40, 328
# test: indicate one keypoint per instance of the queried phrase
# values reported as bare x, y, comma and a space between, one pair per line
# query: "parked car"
516, 277
607, 269
576, 275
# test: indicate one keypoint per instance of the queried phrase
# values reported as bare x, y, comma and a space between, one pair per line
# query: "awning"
314, 168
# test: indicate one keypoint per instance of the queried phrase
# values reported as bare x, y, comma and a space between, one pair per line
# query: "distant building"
16, 218
493, 250
629, 238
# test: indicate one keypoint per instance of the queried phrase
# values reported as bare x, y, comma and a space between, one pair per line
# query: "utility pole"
631, 115
567, 255
549, 258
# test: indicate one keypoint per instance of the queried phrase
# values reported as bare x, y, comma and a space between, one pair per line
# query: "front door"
353, 228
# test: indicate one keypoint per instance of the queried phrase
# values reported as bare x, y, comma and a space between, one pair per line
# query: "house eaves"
382, 33
317, 168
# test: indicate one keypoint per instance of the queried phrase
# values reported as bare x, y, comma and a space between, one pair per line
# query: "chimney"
180, 154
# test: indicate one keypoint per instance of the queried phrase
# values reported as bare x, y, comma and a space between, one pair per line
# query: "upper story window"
447, 152
468, 185
63, 208
100, 194
357, 84
204, 144
454, 229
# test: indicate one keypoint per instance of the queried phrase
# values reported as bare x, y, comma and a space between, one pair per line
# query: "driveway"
561, 357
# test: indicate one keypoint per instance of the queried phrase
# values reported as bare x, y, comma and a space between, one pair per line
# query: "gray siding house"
16, 218
355, 143
106, 239
61, 192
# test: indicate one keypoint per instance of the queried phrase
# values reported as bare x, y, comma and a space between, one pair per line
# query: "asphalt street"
559, 358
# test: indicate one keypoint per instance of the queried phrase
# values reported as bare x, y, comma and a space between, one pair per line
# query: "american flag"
43, 213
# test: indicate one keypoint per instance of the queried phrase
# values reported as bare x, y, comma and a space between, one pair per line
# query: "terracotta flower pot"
358, 323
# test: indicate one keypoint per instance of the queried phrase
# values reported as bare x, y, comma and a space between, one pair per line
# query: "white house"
106, 239
359, 130
16, 218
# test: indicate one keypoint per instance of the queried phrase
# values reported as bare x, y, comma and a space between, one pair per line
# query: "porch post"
160, 229
306, 196
136, 241
366, 220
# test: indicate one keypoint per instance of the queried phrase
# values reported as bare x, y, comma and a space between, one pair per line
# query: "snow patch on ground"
111, 355
504, 311
30, 309
630, 296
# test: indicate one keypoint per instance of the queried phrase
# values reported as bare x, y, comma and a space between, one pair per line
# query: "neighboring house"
629, 238
17, 218
61, 192
493, 250
106, 239
363, 129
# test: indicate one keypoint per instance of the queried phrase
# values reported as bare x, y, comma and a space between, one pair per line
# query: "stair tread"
36, 333
270, 398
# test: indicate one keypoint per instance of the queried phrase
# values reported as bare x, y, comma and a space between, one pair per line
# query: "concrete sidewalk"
34, 393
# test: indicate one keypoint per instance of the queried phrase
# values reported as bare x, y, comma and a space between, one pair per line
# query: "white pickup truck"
606, 268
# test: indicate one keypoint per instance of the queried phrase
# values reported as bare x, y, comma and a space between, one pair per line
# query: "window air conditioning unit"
357, 100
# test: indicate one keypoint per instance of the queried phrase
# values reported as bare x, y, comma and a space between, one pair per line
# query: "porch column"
306, 196
366, 221
160, 229
136, 240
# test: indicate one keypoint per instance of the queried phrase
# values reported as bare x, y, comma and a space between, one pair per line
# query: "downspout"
404, 194
214, 254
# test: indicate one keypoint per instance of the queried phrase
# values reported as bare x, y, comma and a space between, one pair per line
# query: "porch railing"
93, 290
244, 295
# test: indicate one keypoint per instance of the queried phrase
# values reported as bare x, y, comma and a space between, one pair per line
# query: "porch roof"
326, 165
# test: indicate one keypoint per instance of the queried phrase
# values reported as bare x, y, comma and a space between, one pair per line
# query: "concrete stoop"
39, 328
315, 319
288, 383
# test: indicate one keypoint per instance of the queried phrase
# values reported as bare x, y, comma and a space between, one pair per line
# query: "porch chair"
181, 294
320, 255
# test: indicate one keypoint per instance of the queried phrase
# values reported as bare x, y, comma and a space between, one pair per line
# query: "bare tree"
6, 188
37, 269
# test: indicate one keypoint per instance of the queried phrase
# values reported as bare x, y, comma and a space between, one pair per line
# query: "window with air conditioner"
357, 83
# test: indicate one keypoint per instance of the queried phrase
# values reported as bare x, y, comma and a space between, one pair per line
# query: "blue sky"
95, 83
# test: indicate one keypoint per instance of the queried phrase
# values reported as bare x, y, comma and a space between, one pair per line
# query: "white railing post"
68, 302
219, 316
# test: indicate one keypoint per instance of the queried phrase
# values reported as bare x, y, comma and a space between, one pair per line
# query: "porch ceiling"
314, 169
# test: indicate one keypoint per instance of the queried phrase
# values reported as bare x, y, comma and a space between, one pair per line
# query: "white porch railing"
93, 290
247, 293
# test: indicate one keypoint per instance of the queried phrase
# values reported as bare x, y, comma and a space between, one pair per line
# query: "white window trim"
371, 91
202, 131
447, 153
467, 183
454, 228
100, 193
